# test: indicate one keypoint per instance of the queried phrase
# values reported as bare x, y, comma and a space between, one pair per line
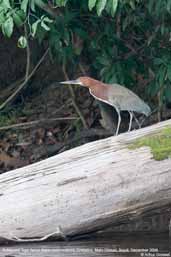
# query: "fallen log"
91, 187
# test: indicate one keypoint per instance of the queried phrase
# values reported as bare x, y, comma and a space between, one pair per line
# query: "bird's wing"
126, 100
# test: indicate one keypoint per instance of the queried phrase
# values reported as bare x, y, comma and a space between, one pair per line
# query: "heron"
119, 97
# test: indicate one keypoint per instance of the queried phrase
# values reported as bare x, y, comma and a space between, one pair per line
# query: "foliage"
124, 41
8, 118
159, 143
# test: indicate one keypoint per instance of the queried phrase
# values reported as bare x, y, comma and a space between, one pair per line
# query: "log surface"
85, 189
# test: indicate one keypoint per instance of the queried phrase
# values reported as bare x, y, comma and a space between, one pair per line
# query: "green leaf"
7, 27
100, 6
169, 72
2, 18
114, 7
22, 42
24, 5
40, 34
167, 93
91, 4
132, 4
34, 27
32, 5
111, 7
168, 6
81, 33
162, 29
161, 75
46, 19
125, 23
78, 50
43, 25
153, 88
6, 3
158, 7
103, 60
150, 6
61, 3
19, 17
158, 61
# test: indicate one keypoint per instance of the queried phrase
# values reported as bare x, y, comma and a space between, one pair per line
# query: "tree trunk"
103, 183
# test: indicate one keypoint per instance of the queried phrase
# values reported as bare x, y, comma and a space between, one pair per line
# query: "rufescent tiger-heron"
120, 97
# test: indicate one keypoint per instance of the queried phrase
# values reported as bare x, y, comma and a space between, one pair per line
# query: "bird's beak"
71, 82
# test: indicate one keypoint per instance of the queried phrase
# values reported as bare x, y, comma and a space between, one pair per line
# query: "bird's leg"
130, 121
137, 121
119, 121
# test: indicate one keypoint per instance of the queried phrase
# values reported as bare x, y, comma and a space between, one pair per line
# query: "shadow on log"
105, 183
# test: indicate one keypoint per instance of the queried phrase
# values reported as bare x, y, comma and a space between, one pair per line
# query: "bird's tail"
147, 110
147, 115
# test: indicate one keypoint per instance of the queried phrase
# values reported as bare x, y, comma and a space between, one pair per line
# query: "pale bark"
87, 188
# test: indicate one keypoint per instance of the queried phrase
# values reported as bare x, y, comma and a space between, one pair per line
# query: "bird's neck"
98, 90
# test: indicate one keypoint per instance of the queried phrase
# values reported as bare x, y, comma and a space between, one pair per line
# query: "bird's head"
82, 81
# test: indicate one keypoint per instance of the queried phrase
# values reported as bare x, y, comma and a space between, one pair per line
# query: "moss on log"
159, 143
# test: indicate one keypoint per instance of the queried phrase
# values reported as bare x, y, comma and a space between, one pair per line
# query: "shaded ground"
41, 121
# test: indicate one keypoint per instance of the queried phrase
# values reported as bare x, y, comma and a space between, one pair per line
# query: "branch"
36, 122
28, 53
11, 97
